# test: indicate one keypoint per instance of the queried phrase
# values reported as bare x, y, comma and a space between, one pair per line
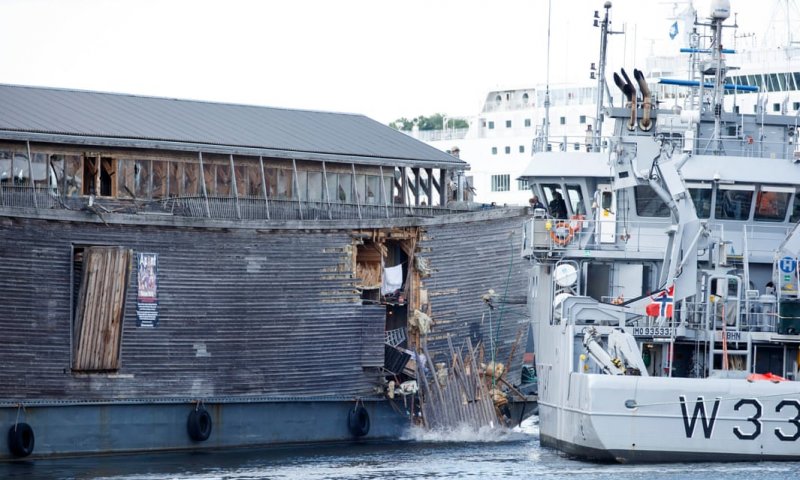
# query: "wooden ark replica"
181, 274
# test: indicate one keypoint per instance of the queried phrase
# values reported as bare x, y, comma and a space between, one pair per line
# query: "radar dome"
565, 275
720, 9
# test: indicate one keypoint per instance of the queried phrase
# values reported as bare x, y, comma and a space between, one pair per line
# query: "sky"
382, 58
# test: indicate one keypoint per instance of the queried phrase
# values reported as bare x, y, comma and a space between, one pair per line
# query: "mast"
546, 126
720, 11
601, 77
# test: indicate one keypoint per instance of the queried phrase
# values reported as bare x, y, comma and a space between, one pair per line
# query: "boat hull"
656, 419
141, 426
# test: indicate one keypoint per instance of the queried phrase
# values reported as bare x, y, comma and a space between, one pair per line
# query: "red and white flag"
662, 303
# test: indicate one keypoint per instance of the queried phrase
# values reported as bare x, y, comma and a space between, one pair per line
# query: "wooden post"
235, 190
264, 184
355, 190
30, 174
327, 192
383, 192
297, 189
203, 178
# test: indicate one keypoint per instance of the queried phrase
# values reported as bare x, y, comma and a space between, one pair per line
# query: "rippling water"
460, 454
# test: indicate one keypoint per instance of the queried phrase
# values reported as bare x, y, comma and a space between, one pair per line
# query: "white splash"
465, 434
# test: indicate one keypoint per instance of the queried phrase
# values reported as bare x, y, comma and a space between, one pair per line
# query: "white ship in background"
510, 125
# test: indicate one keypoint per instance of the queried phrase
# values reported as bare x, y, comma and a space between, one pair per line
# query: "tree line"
433, 122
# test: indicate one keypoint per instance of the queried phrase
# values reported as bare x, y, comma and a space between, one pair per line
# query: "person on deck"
536, 203
558, 207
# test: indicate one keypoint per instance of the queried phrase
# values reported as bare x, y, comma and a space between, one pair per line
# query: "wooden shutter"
100, 308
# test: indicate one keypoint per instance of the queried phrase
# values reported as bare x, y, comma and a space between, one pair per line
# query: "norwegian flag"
662, 303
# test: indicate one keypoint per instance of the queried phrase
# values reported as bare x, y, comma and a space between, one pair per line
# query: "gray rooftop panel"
83, 117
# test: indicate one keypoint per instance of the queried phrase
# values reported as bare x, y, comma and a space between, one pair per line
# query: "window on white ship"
583, 119
776, 107
528, 121
701, 197
508, 123
525, 97
576, 146
100, 276
795, 106
491, 125
772, 203
498, 99
733, 202
648, 203
501, 183
522, 149
494, 150
563, 120
796, 76
522, 184
508, 150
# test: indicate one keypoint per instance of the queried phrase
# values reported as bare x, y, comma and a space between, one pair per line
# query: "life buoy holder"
199, 424
21, 440
562, 233
576, 222
358, 421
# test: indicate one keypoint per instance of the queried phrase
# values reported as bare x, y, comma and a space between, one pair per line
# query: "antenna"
546, 129
601, 76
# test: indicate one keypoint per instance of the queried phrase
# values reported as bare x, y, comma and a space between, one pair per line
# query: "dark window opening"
649, 204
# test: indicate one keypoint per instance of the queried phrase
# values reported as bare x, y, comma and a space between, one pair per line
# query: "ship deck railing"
556, 238
230, 207
746, 315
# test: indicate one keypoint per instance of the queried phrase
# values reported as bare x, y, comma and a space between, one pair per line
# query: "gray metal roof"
131, 121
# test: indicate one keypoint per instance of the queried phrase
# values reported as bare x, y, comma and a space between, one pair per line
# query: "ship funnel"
630, 93
647, 103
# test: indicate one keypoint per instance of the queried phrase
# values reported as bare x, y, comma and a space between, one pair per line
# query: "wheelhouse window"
795, 217
701, 197
772, 202
648, 203
575, 199
733, 202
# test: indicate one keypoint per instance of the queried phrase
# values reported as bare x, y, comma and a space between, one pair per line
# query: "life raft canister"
358, 421
21, 440
562, 233
199, 425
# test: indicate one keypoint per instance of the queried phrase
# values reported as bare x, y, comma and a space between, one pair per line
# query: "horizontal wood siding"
467, 260
240, 312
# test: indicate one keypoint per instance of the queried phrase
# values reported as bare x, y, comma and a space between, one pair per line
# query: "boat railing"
569, 143
218, 207
737, 316
545, 235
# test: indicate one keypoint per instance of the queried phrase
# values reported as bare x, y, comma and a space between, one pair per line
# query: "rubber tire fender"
358, 421
199, 425
21, 440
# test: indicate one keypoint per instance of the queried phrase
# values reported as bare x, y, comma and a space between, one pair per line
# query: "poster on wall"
147, 296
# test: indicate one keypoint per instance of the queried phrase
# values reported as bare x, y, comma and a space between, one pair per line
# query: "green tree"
432, 122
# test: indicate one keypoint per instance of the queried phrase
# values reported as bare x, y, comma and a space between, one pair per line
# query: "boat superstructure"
664, 291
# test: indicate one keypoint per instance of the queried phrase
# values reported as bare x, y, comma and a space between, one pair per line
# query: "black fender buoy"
358, 421
21, 440
199, 425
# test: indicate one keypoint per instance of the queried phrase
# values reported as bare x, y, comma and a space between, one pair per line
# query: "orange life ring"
562, 233
576, 222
